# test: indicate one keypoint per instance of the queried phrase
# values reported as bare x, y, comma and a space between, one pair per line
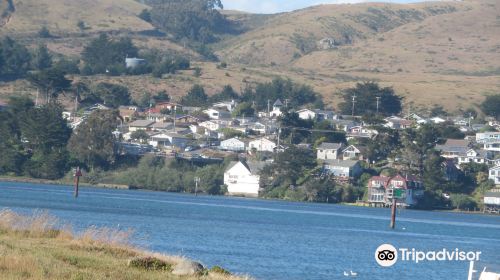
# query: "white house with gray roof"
494, 174
342, 168
328, 151
477, 156
168, 139
233, 144
243, 179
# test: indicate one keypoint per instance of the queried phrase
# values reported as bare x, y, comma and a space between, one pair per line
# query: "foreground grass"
30, 248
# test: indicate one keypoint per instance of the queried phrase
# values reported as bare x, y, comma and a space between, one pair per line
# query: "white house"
397, 123
328, 151
437, 120
228, 105
212, 125
217, 114
360, 132
167, 139
494, 174
306, 114
262, 145
316, 114
352, 152
487, 137
243, 179
474, 156
342, 168
276, 112
233, 144
418, 119
493, 146
492, 203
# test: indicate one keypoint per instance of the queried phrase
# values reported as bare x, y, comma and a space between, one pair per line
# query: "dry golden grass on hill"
444, 53
31, 248
61, 17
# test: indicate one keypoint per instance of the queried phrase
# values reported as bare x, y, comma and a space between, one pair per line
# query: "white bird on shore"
346, 274
353, 273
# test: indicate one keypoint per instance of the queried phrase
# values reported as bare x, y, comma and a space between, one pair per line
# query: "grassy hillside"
32, 249
445, 53
61, 17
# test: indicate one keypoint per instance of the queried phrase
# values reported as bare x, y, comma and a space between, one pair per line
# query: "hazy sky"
275, 6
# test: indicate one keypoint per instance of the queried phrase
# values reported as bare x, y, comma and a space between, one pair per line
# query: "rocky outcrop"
187, 268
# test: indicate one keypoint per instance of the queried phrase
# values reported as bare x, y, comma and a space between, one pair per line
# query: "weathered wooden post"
78, 174
393, 212
396, 193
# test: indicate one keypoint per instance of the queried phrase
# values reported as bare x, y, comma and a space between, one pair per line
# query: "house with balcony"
243, 179
486, 137
453, 148
476, 156
328, 151
494, 174
492, 146
381, 190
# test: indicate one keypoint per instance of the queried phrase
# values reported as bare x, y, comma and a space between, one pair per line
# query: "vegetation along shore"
38, 246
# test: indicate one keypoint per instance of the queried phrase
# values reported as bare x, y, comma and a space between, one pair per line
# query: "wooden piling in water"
78, 174
393, 213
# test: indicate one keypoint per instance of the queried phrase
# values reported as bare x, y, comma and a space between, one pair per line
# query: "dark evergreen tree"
196, 97
366, 100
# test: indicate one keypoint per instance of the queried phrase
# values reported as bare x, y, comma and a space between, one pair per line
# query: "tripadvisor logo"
387, 255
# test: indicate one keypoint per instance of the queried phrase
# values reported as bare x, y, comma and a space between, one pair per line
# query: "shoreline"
61, 183
40, 246
125, 187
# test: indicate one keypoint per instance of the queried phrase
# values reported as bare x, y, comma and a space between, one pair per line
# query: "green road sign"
399, 193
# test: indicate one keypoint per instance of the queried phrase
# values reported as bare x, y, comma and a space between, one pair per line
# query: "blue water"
270, 239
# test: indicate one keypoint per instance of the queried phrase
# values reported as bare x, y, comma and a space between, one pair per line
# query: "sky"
276, 6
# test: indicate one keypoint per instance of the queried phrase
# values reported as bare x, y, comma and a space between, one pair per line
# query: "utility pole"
149, 111
378, 102
279, 132
268, 108
196, 181
353, 103
175, 116
76, 101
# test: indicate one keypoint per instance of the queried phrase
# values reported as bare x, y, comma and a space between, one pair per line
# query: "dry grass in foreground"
37, 247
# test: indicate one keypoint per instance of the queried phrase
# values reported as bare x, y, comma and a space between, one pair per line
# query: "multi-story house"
328, 151
243, 179
381, 190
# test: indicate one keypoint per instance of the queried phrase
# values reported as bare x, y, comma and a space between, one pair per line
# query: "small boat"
353, 273
346, 274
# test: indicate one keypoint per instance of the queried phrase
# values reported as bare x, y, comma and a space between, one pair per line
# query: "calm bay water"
270, 239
